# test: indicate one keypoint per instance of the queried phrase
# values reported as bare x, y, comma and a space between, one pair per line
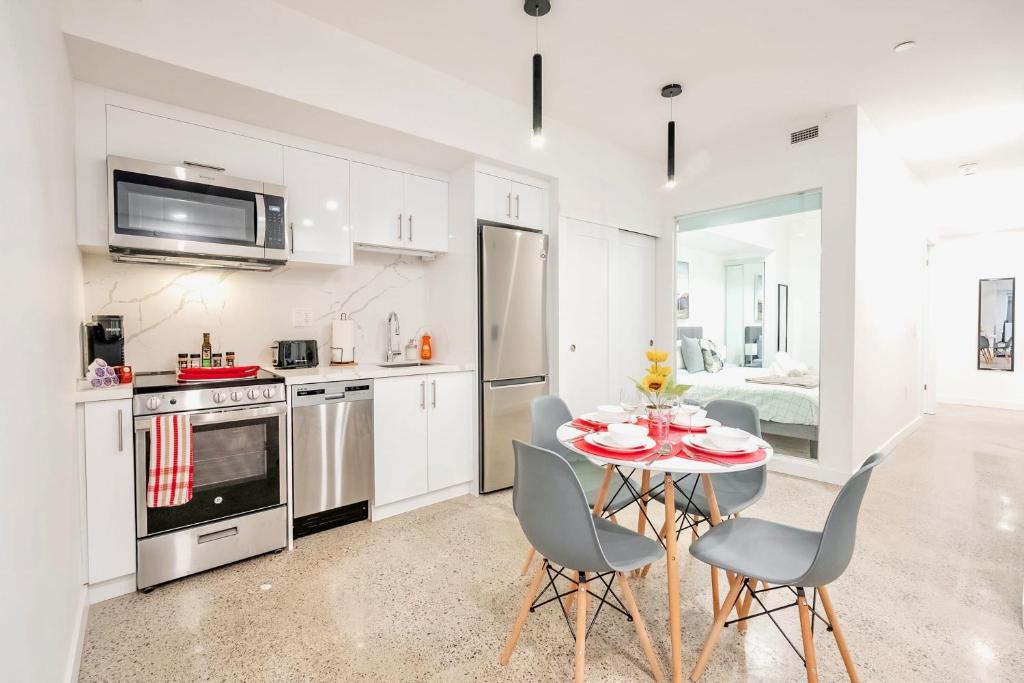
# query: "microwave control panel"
275, 238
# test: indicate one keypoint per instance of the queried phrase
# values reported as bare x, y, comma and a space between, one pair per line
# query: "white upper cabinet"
395, 210
167, 141
508, 201
426, 213
318, 208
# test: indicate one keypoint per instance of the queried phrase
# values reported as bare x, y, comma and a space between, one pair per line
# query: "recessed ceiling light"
331, 205
968, 169
904, 46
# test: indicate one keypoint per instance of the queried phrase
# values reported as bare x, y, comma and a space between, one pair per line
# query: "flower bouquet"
661, 392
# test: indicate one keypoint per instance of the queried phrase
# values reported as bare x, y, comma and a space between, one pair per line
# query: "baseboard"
379, 512
112, 588
78, 637
896, 438
806, 468
981, 403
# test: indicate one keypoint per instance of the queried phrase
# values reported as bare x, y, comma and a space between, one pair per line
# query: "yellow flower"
656, 356
665, 370
653, 382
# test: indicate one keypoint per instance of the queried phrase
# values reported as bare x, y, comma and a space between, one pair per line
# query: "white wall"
889, 308
957, 265
707, 291
41, 574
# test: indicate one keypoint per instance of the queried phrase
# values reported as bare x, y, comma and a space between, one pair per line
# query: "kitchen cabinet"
423, 434
318, 208
163, 140
110, 489
509, 201
451, 438
396, 210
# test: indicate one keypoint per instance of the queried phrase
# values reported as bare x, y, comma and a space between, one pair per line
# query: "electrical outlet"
302, 317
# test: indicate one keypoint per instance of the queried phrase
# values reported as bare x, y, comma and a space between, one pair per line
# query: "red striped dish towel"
170, 462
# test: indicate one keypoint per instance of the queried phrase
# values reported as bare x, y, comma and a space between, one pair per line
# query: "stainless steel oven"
195, 215
238, 504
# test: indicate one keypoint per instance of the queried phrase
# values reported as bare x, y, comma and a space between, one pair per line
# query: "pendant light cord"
536, 25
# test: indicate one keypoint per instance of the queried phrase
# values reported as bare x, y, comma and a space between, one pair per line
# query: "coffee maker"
103, 337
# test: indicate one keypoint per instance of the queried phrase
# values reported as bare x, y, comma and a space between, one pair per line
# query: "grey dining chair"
576, 546
547, 414
791, 559
735, 491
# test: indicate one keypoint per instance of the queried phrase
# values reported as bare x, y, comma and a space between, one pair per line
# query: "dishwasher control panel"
330, 392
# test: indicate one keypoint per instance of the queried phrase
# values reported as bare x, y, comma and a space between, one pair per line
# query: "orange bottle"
426, 353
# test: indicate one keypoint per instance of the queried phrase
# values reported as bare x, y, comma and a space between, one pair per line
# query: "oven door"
238, 466
182, 209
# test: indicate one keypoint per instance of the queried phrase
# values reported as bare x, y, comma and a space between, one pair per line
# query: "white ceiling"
958, 97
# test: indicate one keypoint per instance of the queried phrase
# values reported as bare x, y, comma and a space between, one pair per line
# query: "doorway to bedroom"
747, 313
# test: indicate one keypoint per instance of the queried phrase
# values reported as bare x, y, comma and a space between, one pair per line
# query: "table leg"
645, 486
673, 583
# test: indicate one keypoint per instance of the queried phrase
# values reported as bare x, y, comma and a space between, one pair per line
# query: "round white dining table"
671, 469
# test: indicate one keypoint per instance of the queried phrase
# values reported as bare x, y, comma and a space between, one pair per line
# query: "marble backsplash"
166, 309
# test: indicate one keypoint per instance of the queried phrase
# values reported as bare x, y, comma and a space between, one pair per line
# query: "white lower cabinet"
110, 489
423, 434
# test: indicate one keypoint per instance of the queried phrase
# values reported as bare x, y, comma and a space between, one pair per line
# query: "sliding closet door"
584, 290
633, 311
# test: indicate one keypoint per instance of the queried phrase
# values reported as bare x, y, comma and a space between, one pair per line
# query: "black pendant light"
537, 9
670, 91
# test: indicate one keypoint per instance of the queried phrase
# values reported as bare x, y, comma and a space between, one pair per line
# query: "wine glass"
629, 400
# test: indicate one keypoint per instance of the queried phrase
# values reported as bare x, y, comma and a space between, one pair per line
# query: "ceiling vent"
803, 135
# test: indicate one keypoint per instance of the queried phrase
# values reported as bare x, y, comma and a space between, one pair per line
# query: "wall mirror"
995, 324
782, 341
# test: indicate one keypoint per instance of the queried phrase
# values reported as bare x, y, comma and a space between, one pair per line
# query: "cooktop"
157, 382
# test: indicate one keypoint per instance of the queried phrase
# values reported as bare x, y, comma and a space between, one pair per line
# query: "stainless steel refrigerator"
513, 344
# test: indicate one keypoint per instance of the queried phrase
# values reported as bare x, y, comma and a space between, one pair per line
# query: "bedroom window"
747, 312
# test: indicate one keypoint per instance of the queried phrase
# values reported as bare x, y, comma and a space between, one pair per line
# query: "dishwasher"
332, 454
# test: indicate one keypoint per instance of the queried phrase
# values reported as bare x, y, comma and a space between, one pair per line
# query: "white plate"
704, 441
595, 417
702, 423
604, 441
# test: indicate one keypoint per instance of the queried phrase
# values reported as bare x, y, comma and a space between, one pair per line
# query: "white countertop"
84, 393
363, 371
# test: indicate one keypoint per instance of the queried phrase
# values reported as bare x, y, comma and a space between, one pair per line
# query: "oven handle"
143, 424
261, 220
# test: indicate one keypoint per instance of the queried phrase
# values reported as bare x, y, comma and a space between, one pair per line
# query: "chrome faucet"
391, 354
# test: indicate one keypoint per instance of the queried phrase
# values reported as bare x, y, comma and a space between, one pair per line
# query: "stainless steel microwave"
193, 214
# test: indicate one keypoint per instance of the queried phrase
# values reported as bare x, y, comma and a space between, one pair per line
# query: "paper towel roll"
343, 340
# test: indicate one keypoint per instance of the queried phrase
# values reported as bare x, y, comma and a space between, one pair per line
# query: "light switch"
302, 317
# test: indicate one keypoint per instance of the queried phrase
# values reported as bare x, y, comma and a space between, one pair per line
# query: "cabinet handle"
572, 348
423, 395
410, 227
196, 164
517, 207
433, 398
650, 342
399, 227
291, 237
120, 430
508, 205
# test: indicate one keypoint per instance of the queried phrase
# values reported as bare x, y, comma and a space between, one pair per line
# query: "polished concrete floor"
933, 592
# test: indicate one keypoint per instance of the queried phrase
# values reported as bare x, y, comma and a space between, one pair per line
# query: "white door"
167, 141
399, 438
632, 313
493, 198
110, 489
584, 290
378, 213
426, 213
318, 208
528, 206
451, 434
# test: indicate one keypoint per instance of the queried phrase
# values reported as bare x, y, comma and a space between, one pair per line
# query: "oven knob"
152, 403
219, 397
253, 394
236, 395
269, 392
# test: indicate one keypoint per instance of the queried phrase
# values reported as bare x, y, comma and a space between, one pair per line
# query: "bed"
784, 410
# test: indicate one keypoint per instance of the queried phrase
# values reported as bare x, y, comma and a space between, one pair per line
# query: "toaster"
291, 354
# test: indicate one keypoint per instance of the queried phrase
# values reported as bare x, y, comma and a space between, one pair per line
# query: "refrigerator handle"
518, 382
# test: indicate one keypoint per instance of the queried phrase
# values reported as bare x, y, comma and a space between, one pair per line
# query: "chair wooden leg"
641, 630
581, 632
645, 486
826, 602
529, 560
716, 629
805, 630
524, 610
664, 536
716, 598
744, 608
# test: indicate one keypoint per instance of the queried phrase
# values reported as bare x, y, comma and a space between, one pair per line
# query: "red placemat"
674, 427
587, 424
725, 460
593, 449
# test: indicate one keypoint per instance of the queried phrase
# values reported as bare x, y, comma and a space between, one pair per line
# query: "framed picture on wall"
995, 323
682, 290
782, 341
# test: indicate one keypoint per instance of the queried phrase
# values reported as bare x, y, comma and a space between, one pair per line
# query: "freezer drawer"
506, 416
512, 292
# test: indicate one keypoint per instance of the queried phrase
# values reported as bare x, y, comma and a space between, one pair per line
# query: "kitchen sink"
403, 364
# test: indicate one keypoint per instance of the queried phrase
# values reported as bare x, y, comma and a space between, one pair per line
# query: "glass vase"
658, 420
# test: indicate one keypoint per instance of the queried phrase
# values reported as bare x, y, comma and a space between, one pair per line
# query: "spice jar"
182, 361
218, 360
230, 358
193, 360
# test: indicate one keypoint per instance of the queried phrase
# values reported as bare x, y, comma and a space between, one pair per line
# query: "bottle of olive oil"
207, 351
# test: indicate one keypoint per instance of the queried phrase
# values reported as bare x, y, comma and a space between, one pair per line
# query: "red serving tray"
239, 372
